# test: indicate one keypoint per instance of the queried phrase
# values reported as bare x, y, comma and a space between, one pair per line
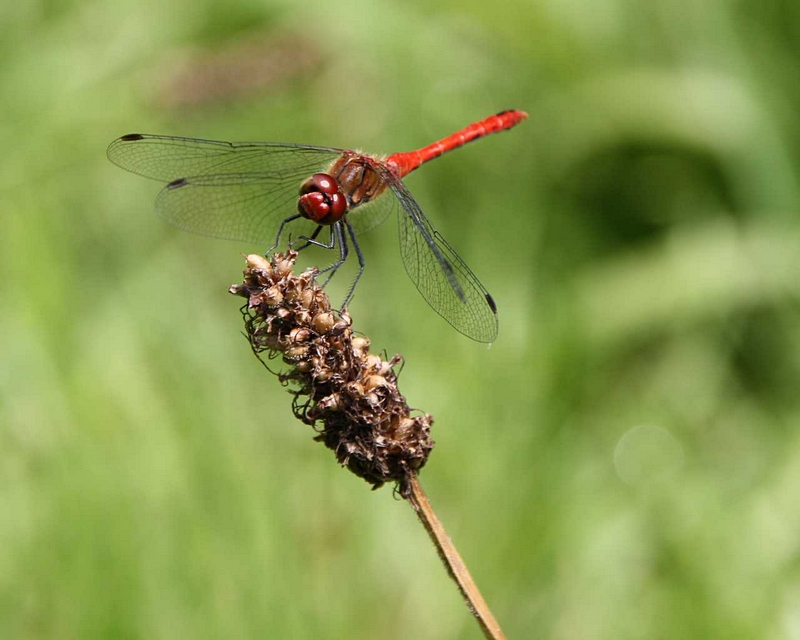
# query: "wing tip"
112, 149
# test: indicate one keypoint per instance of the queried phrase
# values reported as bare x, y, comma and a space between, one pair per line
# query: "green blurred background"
624, 462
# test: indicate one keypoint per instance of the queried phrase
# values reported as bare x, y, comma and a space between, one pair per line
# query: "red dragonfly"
247, 191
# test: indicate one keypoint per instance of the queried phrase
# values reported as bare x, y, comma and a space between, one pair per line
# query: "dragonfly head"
321, 199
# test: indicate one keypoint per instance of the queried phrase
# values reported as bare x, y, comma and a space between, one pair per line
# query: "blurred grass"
623, 463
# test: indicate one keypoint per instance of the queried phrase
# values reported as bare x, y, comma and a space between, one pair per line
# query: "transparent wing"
368, 216
441, 276
246, 207
168, 158
237, 191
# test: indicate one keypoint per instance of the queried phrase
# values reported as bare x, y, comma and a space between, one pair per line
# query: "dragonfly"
251, 191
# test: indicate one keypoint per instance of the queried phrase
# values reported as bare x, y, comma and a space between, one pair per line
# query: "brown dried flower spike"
348, 394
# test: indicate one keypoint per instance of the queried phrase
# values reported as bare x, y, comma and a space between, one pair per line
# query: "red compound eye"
313, 206
338, 205
321, 199
320, 182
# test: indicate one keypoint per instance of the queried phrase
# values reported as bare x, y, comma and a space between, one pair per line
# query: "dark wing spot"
180, 182
132, 137
503, 112
492, 304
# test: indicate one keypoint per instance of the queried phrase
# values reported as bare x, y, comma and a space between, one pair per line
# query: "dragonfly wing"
441, 276
367, 216
245, 207
169, 158
232, 190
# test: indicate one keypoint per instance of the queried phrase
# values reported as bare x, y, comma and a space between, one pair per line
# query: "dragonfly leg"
311, 240
343, 251
280, 232
360, 255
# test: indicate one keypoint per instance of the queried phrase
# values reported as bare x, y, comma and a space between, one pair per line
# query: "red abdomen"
404, 163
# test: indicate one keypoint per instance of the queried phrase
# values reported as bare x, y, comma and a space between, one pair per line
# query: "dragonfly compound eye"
321, 199
320, 182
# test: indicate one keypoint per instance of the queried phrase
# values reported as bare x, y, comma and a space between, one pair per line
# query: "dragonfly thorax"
351, 180
358, 178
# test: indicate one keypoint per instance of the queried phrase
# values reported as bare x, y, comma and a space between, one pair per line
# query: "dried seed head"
302, 317
273, 296
306, 297
321, 300
404, 426
299, 334
372, 362
295, 353
323, 322
331, 402
282, 267
374, 381
385, 368
361, 346
304, 366
348, 395
343, 322
291, 294
239, 290
354, 389
258, 262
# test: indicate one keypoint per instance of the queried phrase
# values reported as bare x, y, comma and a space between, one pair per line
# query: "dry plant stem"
347, 394
453, 562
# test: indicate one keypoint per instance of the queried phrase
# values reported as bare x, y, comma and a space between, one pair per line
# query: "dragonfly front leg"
280, 232
311, 240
